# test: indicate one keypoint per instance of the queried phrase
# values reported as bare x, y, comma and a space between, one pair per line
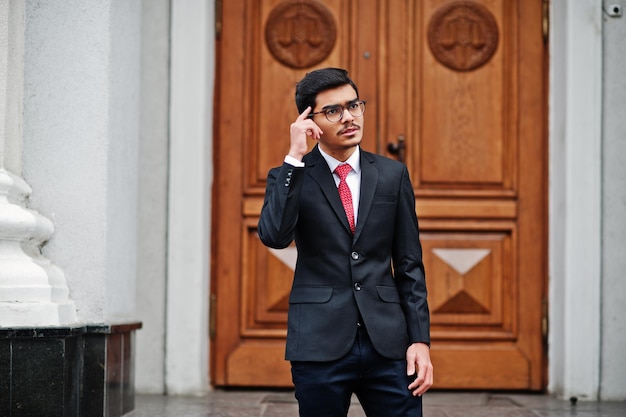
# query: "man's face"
339, 138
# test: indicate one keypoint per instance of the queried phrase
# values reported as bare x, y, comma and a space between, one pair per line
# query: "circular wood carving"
463, 35
300, 33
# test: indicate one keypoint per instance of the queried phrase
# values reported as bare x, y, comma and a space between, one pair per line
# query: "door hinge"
545, 324
545, 21
218, 19
212, 316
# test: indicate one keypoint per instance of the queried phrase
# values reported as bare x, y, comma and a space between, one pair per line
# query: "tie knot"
343, 170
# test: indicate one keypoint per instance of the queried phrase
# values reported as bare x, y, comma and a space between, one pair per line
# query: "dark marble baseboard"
67, 371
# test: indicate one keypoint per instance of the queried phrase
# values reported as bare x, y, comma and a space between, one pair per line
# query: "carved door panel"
457, 87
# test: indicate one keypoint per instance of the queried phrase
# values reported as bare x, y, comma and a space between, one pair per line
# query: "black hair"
320, 80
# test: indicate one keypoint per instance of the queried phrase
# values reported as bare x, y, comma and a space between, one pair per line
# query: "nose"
346, 116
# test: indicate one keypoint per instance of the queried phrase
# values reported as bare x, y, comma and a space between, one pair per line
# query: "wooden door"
459, 87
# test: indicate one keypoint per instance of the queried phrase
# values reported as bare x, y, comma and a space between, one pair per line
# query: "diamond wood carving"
287, 256
462, 260
463, 35
462, 296
300, 34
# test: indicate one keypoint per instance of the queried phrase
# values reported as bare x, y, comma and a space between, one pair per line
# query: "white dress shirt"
353, 179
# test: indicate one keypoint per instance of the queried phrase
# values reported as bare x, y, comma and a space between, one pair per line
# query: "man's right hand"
302, 128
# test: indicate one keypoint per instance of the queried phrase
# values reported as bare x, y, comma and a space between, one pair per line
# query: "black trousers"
324, 389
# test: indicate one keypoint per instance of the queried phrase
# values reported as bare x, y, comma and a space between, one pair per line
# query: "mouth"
350, 130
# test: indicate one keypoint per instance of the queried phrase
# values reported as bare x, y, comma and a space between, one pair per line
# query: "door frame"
227, 263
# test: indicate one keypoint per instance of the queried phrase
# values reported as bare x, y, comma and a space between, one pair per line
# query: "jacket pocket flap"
310, 295
388, 294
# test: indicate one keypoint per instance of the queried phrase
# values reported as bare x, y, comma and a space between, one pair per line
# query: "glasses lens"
357, 109
334, 114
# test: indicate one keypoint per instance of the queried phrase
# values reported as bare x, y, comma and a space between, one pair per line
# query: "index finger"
304, 115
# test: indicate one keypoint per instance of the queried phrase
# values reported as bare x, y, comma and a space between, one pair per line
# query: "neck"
341, 155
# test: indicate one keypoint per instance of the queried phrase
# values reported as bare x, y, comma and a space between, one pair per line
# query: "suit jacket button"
354, 255
357, 286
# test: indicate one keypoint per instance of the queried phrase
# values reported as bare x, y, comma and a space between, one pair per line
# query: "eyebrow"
336, 105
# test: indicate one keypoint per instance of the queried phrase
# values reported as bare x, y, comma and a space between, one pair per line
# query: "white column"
190, 178
152, 196
33, 291
575, 197
613, 369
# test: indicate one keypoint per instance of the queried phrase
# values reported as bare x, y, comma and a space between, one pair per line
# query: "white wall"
613, 366
80, 144
122, 158
11, 85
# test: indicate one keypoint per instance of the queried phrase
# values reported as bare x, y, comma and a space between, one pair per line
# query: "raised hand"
302, 128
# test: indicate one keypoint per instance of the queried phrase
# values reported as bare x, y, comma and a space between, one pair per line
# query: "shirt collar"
354, 160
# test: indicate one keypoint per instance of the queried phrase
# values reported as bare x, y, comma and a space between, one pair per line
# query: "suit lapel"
369, 181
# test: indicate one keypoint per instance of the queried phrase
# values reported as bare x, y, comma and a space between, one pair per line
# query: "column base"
39, 314
67, 371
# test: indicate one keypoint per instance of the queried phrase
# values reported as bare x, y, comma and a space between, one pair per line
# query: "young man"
358, 318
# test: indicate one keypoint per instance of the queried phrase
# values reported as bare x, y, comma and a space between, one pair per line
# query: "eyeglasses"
335, 113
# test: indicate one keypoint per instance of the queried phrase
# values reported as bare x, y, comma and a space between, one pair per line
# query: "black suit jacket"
375, 275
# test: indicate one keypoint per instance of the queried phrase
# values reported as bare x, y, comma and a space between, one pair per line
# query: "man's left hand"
418, 362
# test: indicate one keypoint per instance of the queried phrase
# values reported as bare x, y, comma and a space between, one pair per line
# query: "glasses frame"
343, 110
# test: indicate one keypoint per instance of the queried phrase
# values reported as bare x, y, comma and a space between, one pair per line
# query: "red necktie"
344, 192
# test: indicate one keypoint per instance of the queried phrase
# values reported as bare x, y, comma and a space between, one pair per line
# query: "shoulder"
382, 162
